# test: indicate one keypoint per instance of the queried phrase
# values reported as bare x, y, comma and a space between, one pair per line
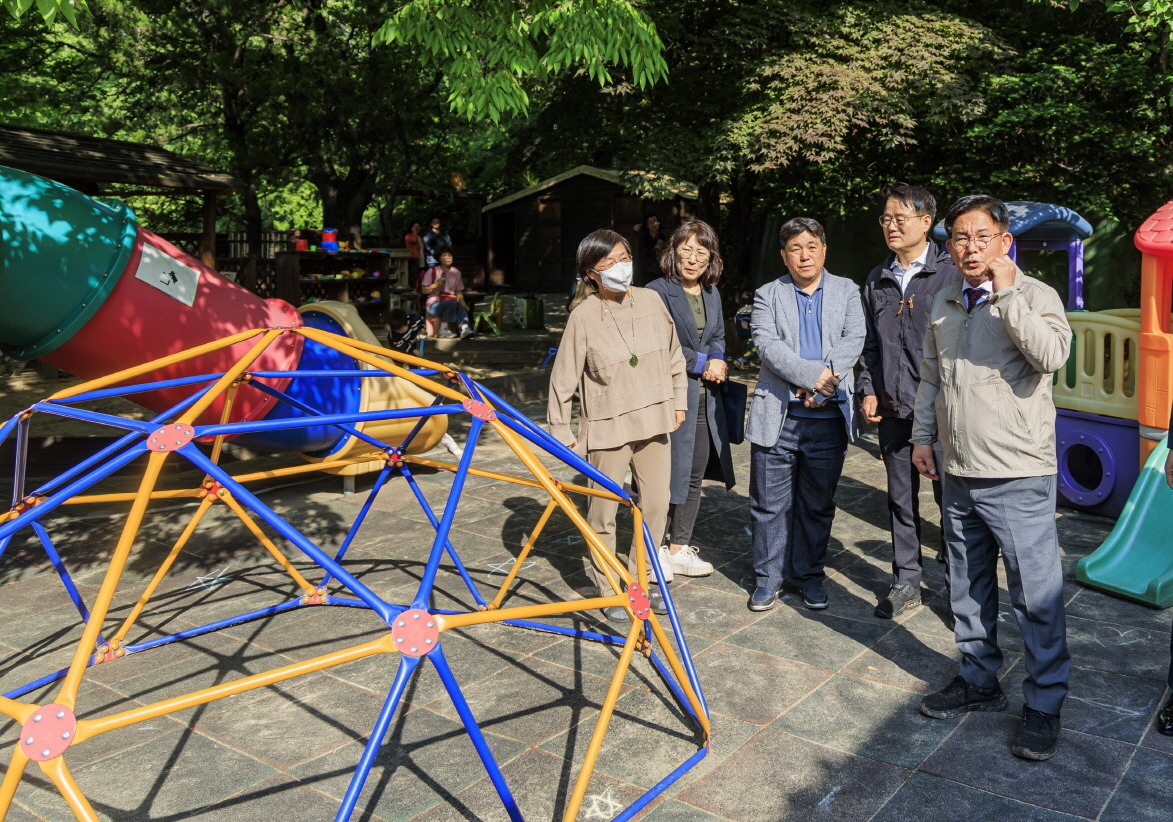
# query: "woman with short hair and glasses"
692, 266
620, 353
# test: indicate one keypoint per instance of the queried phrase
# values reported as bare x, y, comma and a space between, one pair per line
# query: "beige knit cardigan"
618, 404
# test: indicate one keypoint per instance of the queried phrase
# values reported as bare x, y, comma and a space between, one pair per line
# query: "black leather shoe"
900, 599
1165, 719
1037, 737
960, 697
762, 599
815, 598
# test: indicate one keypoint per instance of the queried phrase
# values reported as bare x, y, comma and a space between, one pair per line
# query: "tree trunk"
344, 200
253, 220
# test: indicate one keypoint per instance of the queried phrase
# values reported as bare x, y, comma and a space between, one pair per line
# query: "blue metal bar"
199, 630
470, 386
417, 427
358, 603
552, 446
666, 675
70, 491
475, 734
419, 495
407, 664
674, 619
120, 443
47, 679
9, 427
324, 419
250, 501
607, 639
428, 579
561, 451
661, 786
546, 361
20, 463
363, 372
136, 389
91, 416
384, 473
309, 409
63, 574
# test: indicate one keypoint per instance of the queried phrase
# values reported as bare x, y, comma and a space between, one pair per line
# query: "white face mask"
617, 277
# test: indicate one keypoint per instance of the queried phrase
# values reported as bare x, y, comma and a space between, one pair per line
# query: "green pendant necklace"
634, 361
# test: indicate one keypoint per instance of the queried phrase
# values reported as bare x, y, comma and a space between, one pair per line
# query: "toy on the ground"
1136, 561
86, 289
415, 630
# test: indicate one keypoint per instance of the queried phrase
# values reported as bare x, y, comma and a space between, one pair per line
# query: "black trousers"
904, 499
682, 517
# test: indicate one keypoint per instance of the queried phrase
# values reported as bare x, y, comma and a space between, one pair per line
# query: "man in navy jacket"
897, 300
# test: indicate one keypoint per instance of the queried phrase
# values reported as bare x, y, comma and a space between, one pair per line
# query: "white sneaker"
687, 563
445, 334
465, 332
665, 566
453, 449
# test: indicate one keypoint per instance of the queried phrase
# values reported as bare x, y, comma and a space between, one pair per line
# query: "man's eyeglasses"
900, 221
981, 242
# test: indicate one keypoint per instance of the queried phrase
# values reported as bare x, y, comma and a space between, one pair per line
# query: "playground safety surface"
814, 714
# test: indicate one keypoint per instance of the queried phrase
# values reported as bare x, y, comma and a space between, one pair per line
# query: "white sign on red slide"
169, 275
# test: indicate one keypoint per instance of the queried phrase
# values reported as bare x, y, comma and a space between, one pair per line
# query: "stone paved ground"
814, 714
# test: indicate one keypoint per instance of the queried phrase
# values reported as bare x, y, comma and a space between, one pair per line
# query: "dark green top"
697, 302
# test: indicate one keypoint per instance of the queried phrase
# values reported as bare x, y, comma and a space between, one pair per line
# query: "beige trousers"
650, 462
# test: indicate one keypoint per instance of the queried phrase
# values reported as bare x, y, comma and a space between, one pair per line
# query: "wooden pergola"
116, 168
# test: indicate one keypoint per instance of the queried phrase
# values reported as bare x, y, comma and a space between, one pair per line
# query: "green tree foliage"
48, 9
489, 49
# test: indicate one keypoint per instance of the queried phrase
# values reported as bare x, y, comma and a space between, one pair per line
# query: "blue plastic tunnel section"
341, 395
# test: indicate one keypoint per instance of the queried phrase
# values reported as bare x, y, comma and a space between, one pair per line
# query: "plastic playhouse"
89, 290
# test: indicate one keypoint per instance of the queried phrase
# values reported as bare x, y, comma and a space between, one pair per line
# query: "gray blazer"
775, 333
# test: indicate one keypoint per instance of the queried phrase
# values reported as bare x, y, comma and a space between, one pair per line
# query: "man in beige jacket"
993, 342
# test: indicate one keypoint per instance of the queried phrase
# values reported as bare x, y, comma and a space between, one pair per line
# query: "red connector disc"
170, 437
48, 732
479, 410
638, 598
415, 632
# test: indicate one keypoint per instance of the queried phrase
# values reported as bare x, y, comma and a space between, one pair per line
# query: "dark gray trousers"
792, 500
1016, 516
682, 517
904, 499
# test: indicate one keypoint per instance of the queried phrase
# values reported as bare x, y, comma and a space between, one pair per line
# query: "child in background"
442, 285
744, 330
405, 330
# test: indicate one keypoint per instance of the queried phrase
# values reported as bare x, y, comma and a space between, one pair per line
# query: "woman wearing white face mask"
621, 353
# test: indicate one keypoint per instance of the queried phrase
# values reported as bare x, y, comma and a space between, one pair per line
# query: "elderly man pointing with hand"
993, 342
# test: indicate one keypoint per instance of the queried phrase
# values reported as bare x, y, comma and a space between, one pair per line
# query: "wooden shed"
531, 235
116, 168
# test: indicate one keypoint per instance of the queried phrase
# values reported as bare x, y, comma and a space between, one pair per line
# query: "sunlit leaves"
48, 9
489, 49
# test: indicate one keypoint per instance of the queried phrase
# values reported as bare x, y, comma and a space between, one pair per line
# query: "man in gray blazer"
809, 329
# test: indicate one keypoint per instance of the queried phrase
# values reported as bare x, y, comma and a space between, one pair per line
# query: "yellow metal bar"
127, 497
681, 676
592, 751
163, 569
450, 621
525, 549
268, 543
553, 488
59, 774
218, 442
406, 359
16, 766
89, 728
85, 646
20, 711
297, 469
230, 376
153, 365
566, 486
357, 349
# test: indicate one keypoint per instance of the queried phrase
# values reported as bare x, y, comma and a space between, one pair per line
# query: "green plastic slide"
1136, 560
